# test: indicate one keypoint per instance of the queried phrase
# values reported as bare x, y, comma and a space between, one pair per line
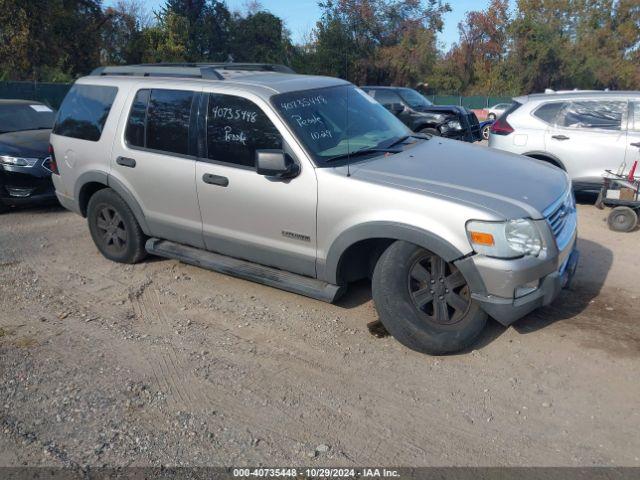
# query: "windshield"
17, 117
413, 98
337, 121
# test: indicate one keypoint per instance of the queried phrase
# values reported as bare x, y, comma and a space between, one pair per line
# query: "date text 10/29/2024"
316, 472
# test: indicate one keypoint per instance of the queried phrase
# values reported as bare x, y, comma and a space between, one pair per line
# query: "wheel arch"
91, 182
374, 237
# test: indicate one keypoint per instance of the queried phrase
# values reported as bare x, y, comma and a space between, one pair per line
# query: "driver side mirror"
276, 163
395, 108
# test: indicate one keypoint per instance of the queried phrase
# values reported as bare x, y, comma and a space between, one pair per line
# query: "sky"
301, 15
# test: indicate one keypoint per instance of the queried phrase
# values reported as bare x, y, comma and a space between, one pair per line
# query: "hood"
26, 143
508, 185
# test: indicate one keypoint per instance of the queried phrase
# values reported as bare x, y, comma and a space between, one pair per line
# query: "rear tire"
430, 131
114, 228
622, 219
491, 116
425, 302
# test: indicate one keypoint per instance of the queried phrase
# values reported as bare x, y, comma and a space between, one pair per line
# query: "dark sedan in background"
420, 115
25, 165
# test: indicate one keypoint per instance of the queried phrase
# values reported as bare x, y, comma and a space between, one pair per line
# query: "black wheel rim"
438, 290
111, 230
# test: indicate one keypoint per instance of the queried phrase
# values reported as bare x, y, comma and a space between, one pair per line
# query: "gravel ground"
166, 364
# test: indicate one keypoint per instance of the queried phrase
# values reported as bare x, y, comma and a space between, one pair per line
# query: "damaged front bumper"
509, 289
21, 186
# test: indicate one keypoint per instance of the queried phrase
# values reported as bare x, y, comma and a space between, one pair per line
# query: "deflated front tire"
424, 301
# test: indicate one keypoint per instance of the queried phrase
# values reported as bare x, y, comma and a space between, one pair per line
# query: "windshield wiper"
361, 152
406, 137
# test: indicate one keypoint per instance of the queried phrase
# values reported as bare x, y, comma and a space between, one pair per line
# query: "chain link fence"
50, 94
473, 102
53, 93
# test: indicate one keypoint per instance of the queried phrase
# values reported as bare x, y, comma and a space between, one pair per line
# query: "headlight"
510, 239
454, 125
17, 161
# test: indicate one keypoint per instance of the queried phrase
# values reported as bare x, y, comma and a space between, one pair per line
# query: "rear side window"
84, 111
605, 115
236, 128
385, 97
548, 112
161, 120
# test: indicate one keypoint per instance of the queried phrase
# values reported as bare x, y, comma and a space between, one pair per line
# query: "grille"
562, 220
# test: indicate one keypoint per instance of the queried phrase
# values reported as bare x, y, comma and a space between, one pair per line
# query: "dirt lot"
163, 363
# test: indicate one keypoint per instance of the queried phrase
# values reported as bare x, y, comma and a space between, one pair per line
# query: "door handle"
560, 137
636, 144
126, 162
212, 179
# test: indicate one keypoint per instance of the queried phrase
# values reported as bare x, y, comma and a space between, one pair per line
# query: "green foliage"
533, 45
56, 37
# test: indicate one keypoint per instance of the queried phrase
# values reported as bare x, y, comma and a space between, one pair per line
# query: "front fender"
327, 270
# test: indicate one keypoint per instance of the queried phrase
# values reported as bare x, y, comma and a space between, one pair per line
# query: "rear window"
512, 108
84, 112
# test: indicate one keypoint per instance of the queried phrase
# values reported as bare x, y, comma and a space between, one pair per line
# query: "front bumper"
494, 281
506, 311
20, 188
467, 135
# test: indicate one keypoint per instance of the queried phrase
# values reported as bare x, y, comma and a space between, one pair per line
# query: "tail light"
53, 165
501, 127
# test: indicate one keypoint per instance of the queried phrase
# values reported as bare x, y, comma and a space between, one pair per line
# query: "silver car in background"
584, 133
497, 110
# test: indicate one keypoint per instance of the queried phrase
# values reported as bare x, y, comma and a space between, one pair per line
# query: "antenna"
346, 74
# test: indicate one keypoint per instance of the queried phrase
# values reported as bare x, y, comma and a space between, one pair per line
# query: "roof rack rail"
208, 71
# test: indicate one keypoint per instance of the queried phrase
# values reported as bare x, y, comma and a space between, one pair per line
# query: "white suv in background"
584, 133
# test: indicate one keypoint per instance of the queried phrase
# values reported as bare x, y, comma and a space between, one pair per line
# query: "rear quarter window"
84, 112
549, 112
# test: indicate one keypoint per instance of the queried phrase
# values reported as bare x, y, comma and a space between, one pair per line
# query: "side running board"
291, 282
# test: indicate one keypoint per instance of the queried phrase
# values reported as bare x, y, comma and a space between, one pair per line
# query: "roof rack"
210, 71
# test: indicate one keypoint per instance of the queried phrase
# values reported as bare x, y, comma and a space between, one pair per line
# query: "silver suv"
582, 132
307, 184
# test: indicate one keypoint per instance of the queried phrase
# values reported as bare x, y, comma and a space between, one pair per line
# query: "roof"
261, 78
15, 101
586, 94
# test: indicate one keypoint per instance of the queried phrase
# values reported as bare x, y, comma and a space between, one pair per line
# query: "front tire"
424, 301
114, 228
491, 116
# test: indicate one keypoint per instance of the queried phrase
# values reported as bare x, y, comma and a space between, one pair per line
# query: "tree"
259, 37
122, 37
204, 28
57, 38
384, 41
